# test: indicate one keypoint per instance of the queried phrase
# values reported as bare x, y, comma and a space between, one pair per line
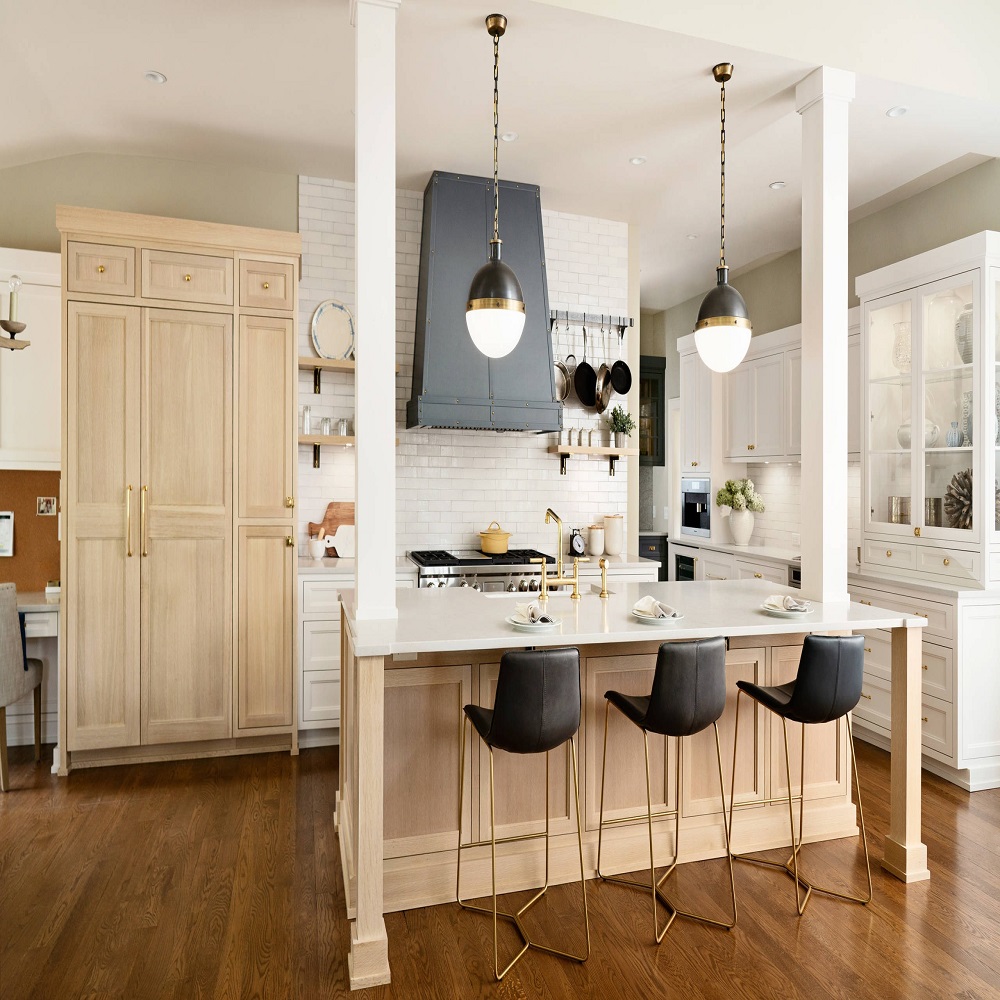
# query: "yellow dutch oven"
494, 541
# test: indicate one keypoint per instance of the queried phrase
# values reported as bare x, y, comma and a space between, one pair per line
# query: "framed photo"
6, 532
46, 506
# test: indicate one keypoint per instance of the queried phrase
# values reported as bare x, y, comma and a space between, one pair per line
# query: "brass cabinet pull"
869, 603
267, 285
750, 447
867, 697
187, 277
128, 521
100, 269
142, 521
923, 718
289, 541
289, 501
888, 553
947, 562
693, 464
868, 649
758, 576
916, 531
925, 666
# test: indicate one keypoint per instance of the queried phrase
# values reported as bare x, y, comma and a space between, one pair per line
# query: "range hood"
454, 386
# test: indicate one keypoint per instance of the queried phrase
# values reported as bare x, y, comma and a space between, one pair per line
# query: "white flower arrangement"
739, 494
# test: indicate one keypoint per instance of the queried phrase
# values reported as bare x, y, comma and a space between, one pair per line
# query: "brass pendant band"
703, 324
515, 305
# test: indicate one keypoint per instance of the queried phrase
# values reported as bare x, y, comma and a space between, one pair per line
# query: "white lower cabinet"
715, 566
772, 572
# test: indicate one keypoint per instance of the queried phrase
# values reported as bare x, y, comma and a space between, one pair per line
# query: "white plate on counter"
653, 620
782, 613
533, 626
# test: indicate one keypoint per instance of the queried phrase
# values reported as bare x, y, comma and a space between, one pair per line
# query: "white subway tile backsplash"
452, 484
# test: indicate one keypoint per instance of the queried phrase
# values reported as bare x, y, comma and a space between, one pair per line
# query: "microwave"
696, 507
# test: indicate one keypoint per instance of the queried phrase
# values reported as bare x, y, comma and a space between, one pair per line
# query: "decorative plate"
332, 330
653, 620
533, 626
782, 613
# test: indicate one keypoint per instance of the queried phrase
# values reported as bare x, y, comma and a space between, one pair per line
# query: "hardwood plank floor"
221, 879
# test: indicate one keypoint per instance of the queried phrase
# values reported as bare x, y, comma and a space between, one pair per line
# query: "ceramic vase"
741, 525
954, 436
619, 439
963, 335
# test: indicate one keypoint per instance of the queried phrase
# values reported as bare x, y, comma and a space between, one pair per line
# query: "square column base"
368, 962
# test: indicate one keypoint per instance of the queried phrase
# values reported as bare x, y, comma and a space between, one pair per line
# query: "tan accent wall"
237, 195
36, 545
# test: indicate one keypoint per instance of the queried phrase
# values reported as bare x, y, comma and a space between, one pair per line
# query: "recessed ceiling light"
897, 112
776, 185
508, 136
637, 161
155, 76
691, 236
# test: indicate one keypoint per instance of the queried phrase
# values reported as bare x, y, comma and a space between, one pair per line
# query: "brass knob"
867, 697
693, 464
947, 562
100, 269
925, 666
868, 649
289, 501
758, 576
888, 553
916, 531
266, 285
289, 541
923, 718
750, 447
187, 277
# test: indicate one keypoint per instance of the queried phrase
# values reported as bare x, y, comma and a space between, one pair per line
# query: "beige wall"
965, 204
239, 195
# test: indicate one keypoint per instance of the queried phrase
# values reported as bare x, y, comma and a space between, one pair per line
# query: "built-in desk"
41, 628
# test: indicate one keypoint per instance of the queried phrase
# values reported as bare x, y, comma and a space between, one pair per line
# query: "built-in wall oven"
696, 507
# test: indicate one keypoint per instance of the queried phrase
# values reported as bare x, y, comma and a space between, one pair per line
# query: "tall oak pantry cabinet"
179, 457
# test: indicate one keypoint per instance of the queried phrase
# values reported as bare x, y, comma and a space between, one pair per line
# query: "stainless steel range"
512, 571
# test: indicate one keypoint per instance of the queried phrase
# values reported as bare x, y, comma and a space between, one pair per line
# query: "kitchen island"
404, 683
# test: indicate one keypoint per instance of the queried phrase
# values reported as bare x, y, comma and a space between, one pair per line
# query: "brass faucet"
604, 577
551, 515
559, 579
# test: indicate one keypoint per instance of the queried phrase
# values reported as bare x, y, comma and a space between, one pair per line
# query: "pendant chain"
722, 251
496, 130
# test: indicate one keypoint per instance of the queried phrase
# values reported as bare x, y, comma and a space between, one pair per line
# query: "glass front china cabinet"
932, 399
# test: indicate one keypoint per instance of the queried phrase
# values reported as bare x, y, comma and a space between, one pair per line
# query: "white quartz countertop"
32, 601
457, 619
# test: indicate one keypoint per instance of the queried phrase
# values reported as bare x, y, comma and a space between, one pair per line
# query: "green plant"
621, 421
740, 495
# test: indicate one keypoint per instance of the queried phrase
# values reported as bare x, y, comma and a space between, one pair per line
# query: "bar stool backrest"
828, 684
537, 705
689, 687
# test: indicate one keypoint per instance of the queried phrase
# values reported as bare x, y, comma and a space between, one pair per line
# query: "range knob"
477, 586
464, 583
511, 587
523, 586
532, 585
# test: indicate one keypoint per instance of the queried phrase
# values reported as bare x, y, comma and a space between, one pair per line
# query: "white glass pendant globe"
722, 348
495, 332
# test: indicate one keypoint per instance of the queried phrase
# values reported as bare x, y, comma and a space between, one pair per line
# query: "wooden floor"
221, 878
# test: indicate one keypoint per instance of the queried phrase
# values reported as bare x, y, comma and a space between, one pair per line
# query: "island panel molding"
179, 453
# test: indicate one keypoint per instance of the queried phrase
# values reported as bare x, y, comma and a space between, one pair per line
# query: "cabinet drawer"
940, 617
38, 625
936, 716
957, 563
320, 598
320, 646
890, 555
762, 571
266, 285
93, 267
321, 696
936, 662
187, 277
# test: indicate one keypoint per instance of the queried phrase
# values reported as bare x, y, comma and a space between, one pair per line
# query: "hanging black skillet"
585, 378
621, 374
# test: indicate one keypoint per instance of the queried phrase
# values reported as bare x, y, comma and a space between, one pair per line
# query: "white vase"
614, 534
619, 439
741, 525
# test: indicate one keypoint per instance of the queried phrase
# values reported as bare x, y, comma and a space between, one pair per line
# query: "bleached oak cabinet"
179, 453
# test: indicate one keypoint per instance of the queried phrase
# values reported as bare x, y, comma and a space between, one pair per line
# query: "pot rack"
557, 316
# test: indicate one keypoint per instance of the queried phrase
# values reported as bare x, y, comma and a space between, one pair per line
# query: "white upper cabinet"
755, 394
30, 378
696, 414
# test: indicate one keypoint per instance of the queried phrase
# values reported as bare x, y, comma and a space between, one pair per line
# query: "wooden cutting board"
337, 513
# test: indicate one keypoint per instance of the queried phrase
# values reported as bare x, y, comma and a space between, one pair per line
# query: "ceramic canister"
614, 534
595, 540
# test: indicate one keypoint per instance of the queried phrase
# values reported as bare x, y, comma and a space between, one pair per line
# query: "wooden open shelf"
334, 439
327, 364
611, 453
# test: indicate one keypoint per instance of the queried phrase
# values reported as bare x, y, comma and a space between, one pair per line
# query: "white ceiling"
272, 84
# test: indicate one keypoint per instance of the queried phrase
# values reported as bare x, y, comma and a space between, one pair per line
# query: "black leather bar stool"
536, 709
689, 695
827, 687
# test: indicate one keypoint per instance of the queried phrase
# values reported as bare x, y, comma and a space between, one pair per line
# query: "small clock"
577, 543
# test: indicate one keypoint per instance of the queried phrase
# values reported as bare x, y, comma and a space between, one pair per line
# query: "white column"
823, 99
375, 242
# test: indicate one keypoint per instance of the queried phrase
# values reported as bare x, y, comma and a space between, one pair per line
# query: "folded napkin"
652, 608
778, 603
531, 614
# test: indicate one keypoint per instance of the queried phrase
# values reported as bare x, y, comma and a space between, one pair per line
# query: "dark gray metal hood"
453, 384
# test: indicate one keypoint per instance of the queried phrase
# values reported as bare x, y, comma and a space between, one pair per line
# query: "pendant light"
495, 310
722, 333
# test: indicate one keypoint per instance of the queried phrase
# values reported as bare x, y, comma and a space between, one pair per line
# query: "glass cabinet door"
948, 339
890, 414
